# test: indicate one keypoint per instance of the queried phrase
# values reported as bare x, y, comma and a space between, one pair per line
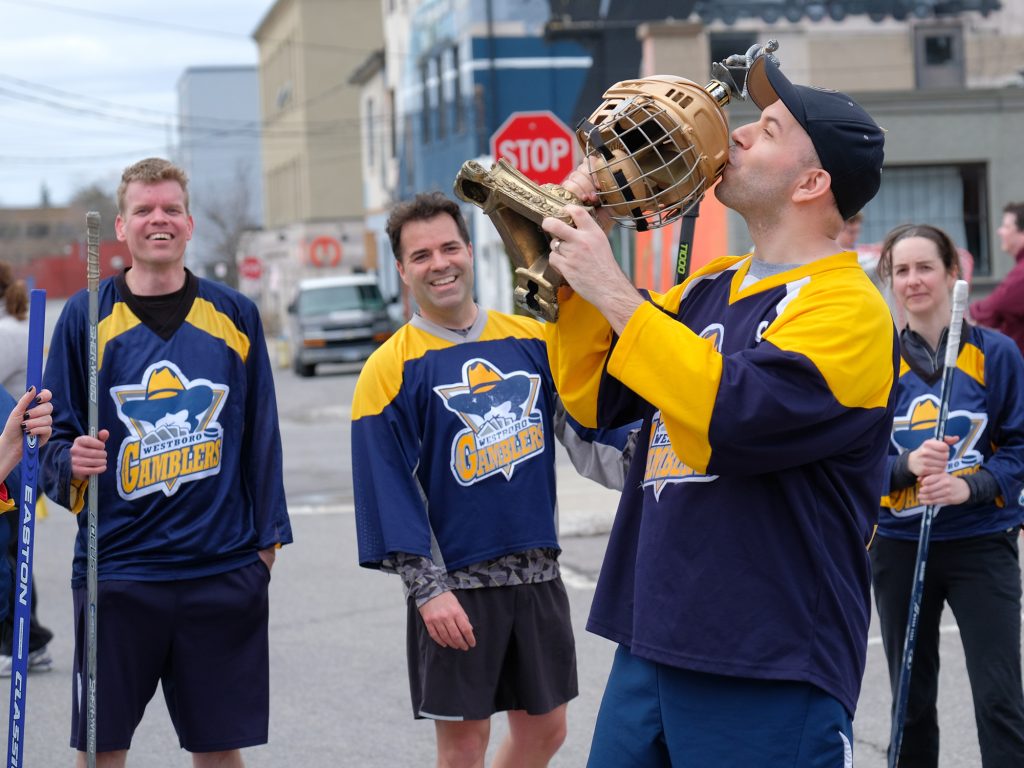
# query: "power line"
165, 25
192, 122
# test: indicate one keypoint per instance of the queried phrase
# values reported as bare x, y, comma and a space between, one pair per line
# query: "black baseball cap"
848, 142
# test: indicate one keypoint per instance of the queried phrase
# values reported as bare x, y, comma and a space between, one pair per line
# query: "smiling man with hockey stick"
736, 581
191, 496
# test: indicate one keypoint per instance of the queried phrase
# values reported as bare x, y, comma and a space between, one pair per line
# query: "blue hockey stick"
23, 577
959, 304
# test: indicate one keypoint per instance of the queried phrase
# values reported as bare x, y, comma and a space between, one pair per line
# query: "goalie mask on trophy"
653, 148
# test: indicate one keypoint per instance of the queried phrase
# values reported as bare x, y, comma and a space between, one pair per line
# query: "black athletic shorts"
204, 639
525, 655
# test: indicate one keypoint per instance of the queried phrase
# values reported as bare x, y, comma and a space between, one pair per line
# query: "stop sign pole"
537, 144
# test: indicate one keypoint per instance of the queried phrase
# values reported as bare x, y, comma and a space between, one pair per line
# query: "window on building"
9, 231
37, 230
939, 56
460, 108
393, 122
440, 99
952, 197
425, 101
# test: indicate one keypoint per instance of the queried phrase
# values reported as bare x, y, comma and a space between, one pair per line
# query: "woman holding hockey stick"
975, 476
30, 414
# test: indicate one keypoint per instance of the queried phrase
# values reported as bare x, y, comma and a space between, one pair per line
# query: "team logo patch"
663, 465
173, 433
916, 425
503, 425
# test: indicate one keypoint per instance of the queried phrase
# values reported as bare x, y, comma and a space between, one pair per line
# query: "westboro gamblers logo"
915, 426
503, 426
663, 466
174, 436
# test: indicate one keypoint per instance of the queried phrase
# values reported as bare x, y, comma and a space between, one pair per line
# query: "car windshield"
335, 298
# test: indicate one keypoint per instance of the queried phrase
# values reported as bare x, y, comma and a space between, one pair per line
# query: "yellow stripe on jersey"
120, 320
972, 362
582, 329
381, 378
851, 340
206, 317
904, 368
690, 359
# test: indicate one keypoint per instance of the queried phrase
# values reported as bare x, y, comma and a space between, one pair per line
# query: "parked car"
339, 319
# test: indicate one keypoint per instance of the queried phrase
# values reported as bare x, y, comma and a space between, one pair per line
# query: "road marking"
321, 509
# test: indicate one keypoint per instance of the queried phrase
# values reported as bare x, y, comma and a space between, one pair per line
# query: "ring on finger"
555, 245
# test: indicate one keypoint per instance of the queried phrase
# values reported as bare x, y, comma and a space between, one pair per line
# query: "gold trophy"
653, 148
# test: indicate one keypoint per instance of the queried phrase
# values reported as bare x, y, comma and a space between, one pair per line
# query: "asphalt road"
339, 687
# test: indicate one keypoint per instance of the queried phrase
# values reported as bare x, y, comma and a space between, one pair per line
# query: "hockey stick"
92, 220
910, 640
684, 254
26, 545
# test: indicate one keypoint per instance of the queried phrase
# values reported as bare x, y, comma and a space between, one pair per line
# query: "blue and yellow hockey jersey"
739, 545
452, 453
986, 412
193, 484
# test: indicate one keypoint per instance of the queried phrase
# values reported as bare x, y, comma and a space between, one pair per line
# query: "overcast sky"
89, 86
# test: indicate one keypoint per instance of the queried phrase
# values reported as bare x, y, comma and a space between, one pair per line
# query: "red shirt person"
1003, 309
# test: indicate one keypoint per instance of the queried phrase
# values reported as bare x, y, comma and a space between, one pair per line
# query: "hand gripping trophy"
653, 148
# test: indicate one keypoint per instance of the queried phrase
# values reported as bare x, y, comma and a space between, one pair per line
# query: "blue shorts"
655, 715
205, 640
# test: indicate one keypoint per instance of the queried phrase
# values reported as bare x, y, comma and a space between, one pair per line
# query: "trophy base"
516, 205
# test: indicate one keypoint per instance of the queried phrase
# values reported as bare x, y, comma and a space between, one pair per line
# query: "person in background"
849, 235
30, 414
13, 366
1003, 309
975, 477
13, 331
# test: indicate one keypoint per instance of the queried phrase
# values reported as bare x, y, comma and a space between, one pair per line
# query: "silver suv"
338, 319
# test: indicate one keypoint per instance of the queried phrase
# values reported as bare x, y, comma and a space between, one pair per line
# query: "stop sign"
251, 268
538, 144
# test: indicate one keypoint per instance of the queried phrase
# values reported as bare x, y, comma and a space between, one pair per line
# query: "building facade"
944, 79
219, 131
311, 157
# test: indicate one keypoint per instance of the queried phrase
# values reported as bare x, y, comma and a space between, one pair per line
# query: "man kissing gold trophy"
653, 148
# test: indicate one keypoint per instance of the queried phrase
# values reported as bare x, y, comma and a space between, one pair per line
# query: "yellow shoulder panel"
849, 339
380, 381
972, 362
501, 325
120, 320
206, 317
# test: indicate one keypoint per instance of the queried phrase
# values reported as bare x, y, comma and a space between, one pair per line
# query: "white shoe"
38, 661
